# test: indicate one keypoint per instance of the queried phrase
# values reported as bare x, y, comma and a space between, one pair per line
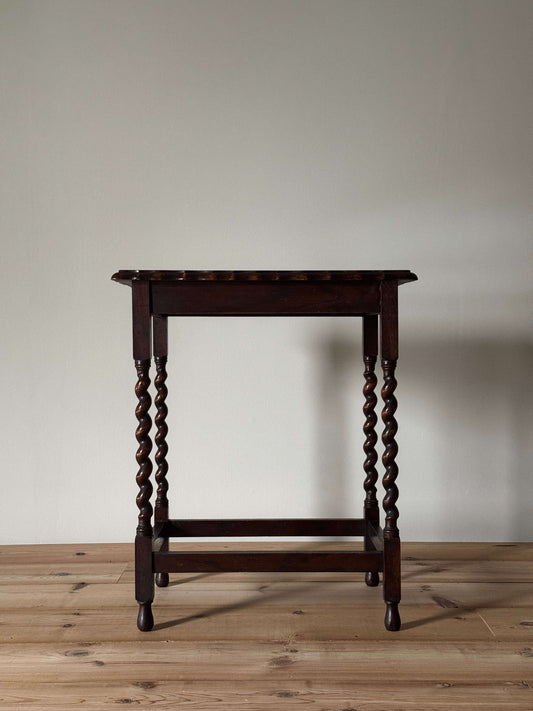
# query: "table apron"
265, 299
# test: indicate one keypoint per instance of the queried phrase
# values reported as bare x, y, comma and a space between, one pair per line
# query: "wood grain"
127, 276
265, 641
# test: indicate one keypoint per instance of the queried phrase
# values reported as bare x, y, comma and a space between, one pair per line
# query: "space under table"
370, 295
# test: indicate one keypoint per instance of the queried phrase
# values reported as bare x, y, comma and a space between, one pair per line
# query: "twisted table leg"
144, 581
161, 504
371, 507
391, 533
369, 447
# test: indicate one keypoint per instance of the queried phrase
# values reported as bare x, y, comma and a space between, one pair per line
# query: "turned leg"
391, 534
144, 583
161, 504
371, 508
144, 578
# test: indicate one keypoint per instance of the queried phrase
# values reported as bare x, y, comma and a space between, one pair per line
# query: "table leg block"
392, 583
144, 582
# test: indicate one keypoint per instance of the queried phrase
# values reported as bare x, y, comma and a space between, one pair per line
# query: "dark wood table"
372, 295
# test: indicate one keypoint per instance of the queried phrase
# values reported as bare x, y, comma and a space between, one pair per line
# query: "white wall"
271, 134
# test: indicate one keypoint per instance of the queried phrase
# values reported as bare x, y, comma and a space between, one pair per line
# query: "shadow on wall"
465, 436
339, 361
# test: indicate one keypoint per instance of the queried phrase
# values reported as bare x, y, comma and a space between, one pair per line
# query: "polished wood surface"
373, 295
261, 641
126, 276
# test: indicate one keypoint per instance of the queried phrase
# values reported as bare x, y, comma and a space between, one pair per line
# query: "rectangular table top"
127, 276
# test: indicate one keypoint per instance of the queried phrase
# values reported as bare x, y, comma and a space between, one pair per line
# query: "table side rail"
267, 561
265, 299
199, 528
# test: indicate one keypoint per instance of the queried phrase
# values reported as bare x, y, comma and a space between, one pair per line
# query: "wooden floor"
267, 641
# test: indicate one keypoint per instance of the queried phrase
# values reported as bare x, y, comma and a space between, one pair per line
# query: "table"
372, 295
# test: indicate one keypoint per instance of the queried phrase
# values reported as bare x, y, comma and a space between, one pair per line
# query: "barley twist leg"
391, 533
144, 584
161, 504
369, 447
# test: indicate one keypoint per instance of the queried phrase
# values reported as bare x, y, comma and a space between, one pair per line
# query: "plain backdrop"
266, 134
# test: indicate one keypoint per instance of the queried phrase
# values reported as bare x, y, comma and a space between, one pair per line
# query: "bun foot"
161, 580
392, 617
145, 619
372, 579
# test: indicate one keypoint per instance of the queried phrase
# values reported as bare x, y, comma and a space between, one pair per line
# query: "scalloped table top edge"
127, 276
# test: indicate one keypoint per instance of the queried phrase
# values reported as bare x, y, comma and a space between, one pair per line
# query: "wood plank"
42, 573
259, 695
262, 622
509, 623
323, 661
194, 589
462, 571
466, 550
63, 553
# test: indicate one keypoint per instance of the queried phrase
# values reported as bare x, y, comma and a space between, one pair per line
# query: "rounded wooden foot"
372, 579
161, 580
392, 617
145, 619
